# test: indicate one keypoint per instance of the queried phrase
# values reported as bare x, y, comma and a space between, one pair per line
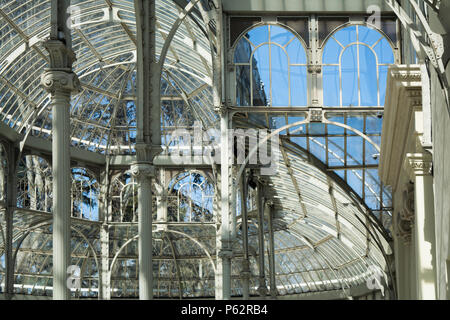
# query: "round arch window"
355, 63
270, 63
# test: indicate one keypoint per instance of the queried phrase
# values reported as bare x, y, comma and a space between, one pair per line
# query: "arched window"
355, 63
124, 198
85, 193
191, 197
34, 179
270, 63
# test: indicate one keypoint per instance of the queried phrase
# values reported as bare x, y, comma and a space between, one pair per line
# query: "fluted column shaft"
61, 193
143, 172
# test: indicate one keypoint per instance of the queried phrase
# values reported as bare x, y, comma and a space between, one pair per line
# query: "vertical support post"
60, 81
11, 200
233, 221
420, 166
223, 278
143, 172
225, 251
314, 64
104, 283
148, 135
161, 200
245, 274
60, 84
273, 285
262, 289
105, 277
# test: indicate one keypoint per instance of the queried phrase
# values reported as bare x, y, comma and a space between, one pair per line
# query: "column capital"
418, 164
54, 80
142, 170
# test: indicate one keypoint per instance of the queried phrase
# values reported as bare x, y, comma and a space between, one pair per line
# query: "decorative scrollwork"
142, 171
57, 80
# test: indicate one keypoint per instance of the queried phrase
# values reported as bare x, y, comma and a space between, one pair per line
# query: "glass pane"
261, 76
331, 52
316, 128
280, 35
298, 86
354, 180
317, 148
296, 52
336, 154
243, 85
346, 36
368, 35
280, 77
384, 52
354, 150
371, 152
331, 86
259, 35
243, 51
373, 124
299, 129
368, 77
332, 129
278, 122
349, 79
383, 70
301, 141
372, 188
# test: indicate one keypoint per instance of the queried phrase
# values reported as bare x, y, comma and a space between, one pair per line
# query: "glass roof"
326, 235
103, 115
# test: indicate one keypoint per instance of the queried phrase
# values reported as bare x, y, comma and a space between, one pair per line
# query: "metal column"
104, 281
60, 82
262, 289
245, 274
143, 172
273, 285
11, 200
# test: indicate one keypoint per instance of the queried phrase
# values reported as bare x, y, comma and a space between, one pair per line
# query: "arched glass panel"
85, 193
34, 190
355, 61
190, 198
124, 198
270, 64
